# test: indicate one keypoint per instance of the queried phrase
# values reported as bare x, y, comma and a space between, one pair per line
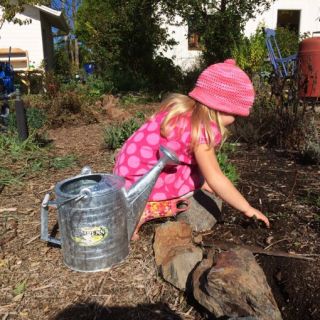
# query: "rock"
204, 211
175, 254
234, 286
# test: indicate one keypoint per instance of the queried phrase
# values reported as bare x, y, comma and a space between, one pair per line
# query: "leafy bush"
117, 134
288, 41
96, 87
226, 166
164, 75
36, 119
251, 53
310, 142
280, 120
131, 98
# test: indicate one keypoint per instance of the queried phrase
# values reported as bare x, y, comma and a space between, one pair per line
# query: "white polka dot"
178, 183
169, 178
133, 162
138, 137
153, 138
182, 157
152, 126
159, 196
131, 148
146, 152
159, 184
123, 171
185, 137
186, 173
174, 145
141, 171
183, 190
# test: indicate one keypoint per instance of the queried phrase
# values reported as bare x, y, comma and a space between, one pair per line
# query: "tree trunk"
76, 55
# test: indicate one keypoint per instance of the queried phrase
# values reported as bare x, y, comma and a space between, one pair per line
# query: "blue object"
6, 78
89, 68
283, 67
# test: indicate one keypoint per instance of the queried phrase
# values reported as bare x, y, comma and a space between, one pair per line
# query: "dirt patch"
286, 191
35, 284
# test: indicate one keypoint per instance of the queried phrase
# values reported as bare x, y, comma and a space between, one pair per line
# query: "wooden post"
21, 117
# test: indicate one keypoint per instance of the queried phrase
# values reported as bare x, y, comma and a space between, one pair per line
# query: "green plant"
8, 178
135, 99
36, 119
20, 287
63, 162
116, 135
19, 158
11, 145
250, 53
226, 166
97, 86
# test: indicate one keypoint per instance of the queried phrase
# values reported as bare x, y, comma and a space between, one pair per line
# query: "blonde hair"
178, 105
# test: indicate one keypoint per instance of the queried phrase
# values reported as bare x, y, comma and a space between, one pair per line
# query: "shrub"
251, 53
280, 121
116, 135
138, 98
36, 119
226, 166
310, 146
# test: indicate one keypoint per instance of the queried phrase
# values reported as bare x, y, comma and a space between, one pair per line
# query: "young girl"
192, 126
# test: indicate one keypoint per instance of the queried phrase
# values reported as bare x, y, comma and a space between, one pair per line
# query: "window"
289, 19
194, 35
194, 41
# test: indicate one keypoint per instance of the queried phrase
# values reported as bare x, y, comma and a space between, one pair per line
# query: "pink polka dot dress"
141, 152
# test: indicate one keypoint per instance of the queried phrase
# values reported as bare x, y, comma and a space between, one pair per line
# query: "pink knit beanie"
225, 87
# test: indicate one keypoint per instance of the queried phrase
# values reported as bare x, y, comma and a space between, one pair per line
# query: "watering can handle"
44, 220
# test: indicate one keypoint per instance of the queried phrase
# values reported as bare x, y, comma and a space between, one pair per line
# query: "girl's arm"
224, 188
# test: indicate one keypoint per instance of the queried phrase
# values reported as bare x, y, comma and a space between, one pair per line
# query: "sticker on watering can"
90, 236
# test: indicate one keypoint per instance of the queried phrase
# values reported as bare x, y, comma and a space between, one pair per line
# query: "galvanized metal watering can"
97, 215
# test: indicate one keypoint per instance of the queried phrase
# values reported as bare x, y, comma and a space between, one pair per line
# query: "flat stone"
204, 211
175, 253
234, 286
179, 265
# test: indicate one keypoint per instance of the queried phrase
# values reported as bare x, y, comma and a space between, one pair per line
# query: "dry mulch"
35, 284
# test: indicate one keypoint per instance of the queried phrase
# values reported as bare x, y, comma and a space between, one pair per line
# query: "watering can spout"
138, 194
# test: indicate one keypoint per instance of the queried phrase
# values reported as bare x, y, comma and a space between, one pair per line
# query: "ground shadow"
95, 311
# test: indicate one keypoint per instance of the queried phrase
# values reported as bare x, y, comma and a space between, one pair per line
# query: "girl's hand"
252, 212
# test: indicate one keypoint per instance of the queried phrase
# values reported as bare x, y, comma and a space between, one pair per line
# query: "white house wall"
179, 53
309, 22
26, 37
309, 18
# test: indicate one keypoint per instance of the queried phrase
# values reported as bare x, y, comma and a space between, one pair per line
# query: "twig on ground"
32, 239
273, 243
226, 246
8, 210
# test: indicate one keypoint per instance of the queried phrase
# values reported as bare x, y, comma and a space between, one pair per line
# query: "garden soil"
35, 284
